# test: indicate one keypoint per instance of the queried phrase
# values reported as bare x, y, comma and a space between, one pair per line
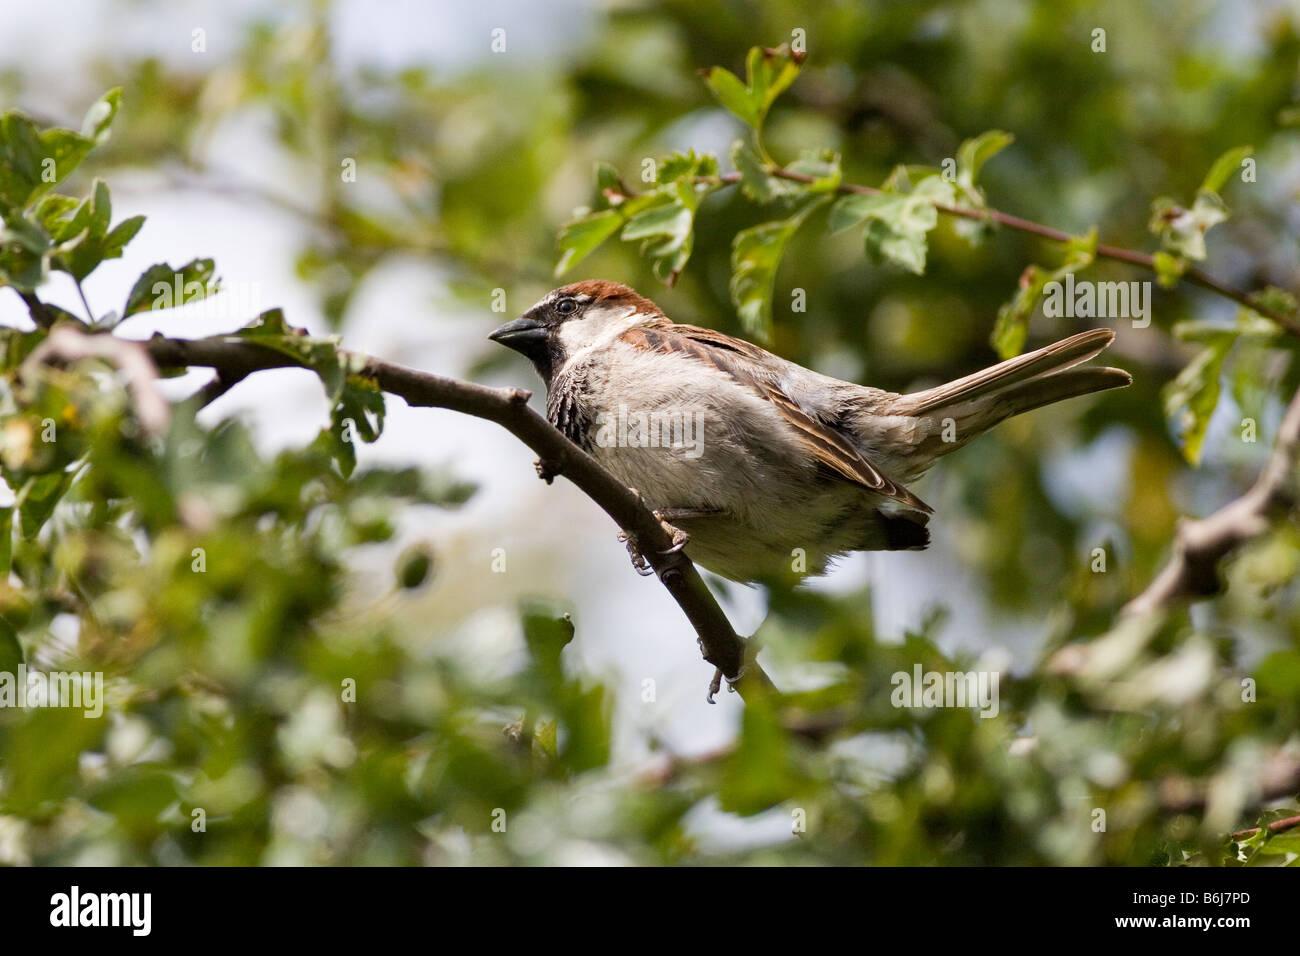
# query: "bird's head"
572, 318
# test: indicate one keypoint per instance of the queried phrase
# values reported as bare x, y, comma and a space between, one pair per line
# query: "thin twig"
38, 310
1200, 544
1279, 779
1277, 826
1145, 260
90, 313
67, 343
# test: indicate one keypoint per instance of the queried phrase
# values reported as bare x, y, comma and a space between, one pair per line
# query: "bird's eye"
566, 307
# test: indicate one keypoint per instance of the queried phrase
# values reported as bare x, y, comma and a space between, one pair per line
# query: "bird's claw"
715, 685
680, 538
639, 561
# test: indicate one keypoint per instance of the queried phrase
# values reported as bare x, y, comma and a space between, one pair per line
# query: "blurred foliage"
255, 715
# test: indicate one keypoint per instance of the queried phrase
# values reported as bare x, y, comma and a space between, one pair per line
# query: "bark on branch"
1199, 545
234, 358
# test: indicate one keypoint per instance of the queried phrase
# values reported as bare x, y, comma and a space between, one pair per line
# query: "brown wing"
736, 357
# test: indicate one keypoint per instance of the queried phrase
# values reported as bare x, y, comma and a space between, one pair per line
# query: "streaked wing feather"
824, 444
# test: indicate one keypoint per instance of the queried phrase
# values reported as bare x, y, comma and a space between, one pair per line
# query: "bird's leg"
715, 685
665, 518
639, 561
680, 538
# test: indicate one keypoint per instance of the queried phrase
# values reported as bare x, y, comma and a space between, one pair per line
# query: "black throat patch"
564, 412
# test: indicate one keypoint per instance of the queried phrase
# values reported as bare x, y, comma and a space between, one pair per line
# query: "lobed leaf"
755, 256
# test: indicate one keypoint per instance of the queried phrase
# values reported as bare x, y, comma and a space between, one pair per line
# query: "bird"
761, 468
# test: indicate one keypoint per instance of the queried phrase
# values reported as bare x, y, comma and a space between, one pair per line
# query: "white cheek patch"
598, 327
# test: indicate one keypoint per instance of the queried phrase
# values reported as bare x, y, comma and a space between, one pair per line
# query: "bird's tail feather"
951, 415
1057, 387
997, 378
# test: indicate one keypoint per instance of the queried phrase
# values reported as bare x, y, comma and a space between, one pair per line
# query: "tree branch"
67, 343
39, 312
235, 358
1277, 826
1197, 277
1280, 779
1200, 544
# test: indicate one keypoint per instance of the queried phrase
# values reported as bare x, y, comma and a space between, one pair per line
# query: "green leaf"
37, 499
856, 208
885, 243
662, 219
413, 567
135, 798
768, 74
84, 238
760, 772
1227, 164
1011, 328
685, 167
756, 182
580, 237
974, 153
672, 218
666, 228
54, 207
353, 396
824, 168
1190, 399
269, 324
1275, 299
755, 255
1286, 842
11, 649
1169, 268
608, 181
585, 716
6, 541
732, 94
164, 287
24, 251
547, 634
1182, 231
32, 162
27, 234
897, 223
100, 116
759, 185
360, 402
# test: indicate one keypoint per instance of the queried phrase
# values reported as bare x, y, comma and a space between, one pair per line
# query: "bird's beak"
523, 335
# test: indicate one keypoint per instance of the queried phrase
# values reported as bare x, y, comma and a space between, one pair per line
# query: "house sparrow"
761, 466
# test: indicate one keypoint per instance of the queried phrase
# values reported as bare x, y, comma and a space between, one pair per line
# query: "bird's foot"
715, 685
679, 537
639, 561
